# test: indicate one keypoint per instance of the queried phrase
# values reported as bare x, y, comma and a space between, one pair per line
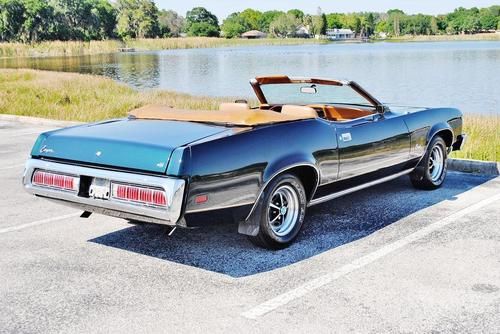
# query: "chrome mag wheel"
283, 210
436, 163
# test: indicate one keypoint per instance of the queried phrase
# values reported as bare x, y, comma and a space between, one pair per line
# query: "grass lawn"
78, 97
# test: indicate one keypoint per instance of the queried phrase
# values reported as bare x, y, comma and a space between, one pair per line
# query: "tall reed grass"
78, 48
483, 138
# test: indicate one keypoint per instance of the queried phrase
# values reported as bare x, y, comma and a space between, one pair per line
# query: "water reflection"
462, 74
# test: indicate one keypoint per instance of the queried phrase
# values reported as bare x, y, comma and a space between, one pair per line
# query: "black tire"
271, 234
429, 175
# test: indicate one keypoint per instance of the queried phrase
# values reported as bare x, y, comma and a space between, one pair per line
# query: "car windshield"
304, 94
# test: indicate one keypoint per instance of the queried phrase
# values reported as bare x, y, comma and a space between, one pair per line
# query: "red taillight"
138, 194
55, 180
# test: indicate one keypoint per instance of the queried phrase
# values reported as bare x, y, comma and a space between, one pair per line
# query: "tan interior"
339, 113
230, 107
299, 111
246, 117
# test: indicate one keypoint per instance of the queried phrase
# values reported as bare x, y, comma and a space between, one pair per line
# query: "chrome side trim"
174, 190
361, 186
318, 177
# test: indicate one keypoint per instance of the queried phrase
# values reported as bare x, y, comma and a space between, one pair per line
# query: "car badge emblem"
160, 165
98, 153
346, 136
45, 149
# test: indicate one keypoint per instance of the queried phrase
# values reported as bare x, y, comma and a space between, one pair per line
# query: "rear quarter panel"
424, 124
232, 170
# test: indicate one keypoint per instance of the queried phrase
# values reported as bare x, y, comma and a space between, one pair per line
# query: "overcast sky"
222, 8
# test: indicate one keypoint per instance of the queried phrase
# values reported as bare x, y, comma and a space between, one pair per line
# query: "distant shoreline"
495, 36
80, 48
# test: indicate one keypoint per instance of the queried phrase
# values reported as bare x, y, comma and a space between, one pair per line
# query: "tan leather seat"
298, 111
230, 107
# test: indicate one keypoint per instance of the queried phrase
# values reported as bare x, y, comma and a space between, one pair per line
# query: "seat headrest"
301, 111
229, 107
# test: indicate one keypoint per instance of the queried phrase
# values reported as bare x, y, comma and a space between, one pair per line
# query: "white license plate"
100, 188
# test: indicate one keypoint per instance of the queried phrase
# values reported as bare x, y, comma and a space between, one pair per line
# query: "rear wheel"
283, 211
431, 171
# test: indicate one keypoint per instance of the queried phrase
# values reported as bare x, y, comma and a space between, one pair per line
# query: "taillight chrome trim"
151, 203
75, 184
173, 188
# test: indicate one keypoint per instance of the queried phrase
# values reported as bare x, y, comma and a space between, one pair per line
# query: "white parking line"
10, 167
319, 282
38, 222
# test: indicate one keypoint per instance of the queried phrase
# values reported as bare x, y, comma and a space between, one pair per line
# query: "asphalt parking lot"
387, 259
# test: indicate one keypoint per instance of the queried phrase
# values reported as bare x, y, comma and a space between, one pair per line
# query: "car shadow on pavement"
219, 248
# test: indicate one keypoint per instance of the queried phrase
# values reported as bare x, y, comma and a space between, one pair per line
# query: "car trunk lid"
144, 145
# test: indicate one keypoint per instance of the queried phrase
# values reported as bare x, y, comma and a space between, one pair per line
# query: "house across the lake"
340, 34
302, 32
253, 34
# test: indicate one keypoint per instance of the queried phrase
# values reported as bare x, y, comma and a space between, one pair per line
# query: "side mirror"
381, 109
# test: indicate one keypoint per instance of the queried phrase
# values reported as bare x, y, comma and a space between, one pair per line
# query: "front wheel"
283, 211
431, 171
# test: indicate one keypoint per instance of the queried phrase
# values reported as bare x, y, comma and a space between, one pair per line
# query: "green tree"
84, 19
334, 20
285, 25
319, 23
463, 20
487, 19
297, 13
252, 18
39, 21
381, 26
203, 29
316, 25
106, 16
234, 25
370, 24
201, 22
324, 24
11, 19
137, 19
267, 18
171, 23
434, 26
394, 21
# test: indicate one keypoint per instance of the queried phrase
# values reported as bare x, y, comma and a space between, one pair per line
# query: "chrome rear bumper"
174, 190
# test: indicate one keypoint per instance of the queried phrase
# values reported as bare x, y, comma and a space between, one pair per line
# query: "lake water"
460, 74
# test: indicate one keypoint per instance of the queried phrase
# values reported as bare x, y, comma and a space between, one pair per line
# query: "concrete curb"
36, 120
456, 165
474, 166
